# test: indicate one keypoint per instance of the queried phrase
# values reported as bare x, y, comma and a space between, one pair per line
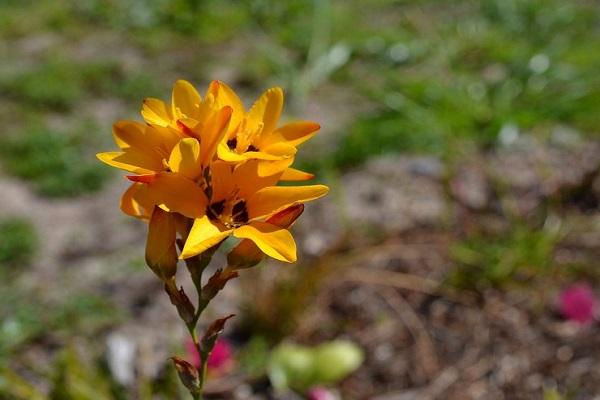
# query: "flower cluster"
204, 169
210, 161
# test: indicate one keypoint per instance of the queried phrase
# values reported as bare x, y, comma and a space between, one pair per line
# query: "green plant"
55, 85
18, 241
254, 357
55, 163
25, 318
72, 379
496, 260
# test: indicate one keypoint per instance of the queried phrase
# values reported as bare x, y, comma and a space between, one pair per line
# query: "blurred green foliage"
25, 318
431, 74
555, 394
60, 85
73, 378
453, 73
494, 260
254, 357
299, 367
55, 163
18, 242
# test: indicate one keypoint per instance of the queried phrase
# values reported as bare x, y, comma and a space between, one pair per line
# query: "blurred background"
456, 256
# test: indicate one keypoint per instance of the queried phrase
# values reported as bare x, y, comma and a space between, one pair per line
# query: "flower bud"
188, 374
161, 254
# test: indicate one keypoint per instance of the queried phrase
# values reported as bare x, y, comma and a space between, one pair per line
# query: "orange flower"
241, 203
211, 161
169, 164
255, 135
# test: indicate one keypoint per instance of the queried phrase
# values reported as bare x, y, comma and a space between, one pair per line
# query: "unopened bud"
161, 254
188, 374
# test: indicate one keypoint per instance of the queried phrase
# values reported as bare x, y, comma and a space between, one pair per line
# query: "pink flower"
221, 355
321, 393
578, 303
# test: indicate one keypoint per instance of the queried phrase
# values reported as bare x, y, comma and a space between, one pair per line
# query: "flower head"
186, 111
220, 357
254, 134
210, 161
241, 201
578, 303
170, 159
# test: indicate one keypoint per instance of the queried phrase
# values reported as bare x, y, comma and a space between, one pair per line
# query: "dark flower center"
214, 210
239, 213
232, 143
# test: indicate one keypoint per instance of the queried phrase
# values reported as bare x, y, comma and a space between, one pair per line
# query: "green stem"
196, 266
203, 368
194, 335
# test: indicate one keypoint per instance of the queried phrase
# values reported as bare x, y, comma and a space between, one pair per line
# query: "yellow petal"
127, 133
155, 111
261, 155
268, 168
161, 254
274, 241
274, 198
222, 180
163, 137
203, 236
185, 158
294, 134
246, 254
185, 98
152, 140
213, 132
280, 149
267, 110
132, 161
248, 181
225, 96
226, 154
136, 203
176, 193
292, 174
